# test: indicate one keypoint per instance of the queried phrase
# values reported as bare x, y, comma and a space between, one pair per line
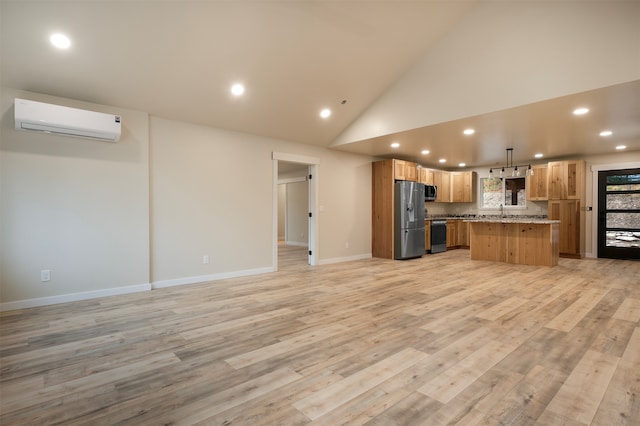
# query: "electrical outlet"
205, 259
45, 275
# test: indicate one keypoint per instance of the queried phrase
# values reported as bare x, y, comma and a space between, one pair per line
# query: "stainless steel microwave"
430, 192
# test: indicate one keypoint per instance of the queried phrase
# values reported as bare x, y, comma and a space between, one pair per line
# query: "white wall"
77, 207
505, 54
207, 198
211, 195
114, 218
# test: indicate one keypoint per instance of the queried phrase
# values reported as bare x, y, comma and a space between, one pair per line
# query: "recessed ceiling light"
424, 152
442, 160
469, 131
325, 113
580, 111
606, 133
461, 164
237, 89
620, 147
60, 41
539, 155
395, 145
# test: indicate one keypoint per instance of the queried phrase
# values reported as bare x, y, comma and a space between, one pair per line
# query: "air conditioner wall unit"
61, 120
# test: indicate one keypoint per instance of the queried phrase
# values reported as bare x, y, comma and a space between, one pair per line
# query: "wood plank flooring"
441, 340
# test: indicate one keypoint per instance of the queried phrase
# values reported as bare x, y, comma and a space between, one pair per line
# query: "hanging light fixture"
516, 168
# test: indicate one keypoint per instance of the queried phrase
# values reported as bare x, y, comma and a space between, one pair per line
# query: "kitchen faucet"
501, 210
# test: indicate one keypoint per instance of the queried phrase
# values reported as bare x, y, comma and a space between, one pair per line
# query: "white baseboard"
72, 297
344, 259
212, 277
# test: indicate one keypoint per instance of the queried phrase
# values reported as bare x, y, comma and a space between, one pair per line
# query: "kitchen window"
508, 192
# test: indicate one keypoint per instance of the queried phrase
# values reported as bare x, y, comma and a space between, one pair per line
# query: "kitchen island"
515, 240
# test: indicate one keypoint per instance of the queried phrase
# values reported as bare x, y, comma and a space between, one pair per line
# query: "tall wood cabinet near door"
571, 218
442, 181
461, 187
566, 186
537, 183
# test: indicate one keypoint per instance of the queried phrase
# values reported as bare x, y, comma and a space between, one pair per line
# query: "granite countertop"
512, 219
539, 219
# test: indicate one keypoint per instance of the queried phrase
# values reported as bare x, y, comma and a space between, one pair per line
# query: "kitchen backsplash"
533, 208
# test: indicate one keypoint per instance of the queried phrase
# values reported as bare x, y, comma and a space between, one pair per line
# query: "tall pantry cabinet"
567, 196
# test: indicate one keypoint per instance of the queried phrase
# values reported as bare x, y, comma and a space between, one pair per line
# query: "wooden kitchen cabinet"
537, 184
382, 209
566, 192
452, 227
427, 235
457, 234
556, 189
572, 226
462, 234
405, 170
425, 176
461, 187
565, 180
442, 181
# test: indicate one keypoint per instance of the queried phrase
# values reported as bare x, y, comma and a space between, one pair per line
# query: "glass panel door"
619, 214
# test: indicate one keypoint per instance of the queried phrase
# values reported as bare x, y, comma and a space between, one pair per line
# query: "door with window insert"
619, 214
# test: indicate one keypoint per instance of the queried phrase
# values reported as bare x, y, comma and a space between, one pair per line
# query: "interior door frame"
594, 198
313, 164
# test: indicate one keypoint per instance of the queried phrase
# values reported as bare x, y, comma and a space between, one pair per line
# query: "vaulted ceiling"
178, 60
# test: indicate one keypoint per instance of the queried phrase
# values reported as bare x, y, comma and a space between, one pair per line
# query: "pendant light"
516, 168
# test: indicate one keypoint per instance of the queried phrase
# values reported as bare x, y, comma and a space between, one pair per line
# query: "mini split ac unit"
61, 120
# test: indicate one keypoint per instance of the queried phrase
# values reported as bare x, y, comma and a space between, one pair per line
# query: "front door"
619, 214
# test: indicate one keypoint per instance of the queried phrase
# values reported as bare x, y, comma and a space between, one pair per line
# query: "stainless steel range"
438, 235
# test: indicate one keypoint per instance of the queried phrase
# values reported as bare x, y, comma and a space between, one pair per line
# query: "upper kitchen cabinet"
442, 180
405, 170
537, 183
461, 187
565, 180
425, 176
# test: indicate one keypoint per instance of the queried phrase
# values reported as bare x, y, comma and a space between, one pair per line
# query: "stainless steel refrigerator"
409, 237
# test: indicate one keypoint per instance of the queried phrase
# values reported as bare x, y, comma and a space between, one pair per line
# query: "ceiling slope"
178, 59
508, 54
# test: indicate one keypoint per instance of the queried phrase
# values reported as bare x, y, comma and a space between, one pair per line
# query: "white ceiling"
547, 127
178, 59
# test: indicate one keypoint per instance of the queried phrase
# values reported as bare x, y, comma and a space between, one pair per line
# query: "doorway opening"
293, 214
619, 214
295, 229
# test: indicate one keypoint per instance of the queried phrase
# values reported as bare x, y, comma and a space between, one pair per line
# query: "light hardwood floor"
433, 341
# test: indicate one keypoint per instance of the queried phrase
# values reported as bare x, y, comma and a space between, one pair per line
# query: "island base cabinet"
520, 243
